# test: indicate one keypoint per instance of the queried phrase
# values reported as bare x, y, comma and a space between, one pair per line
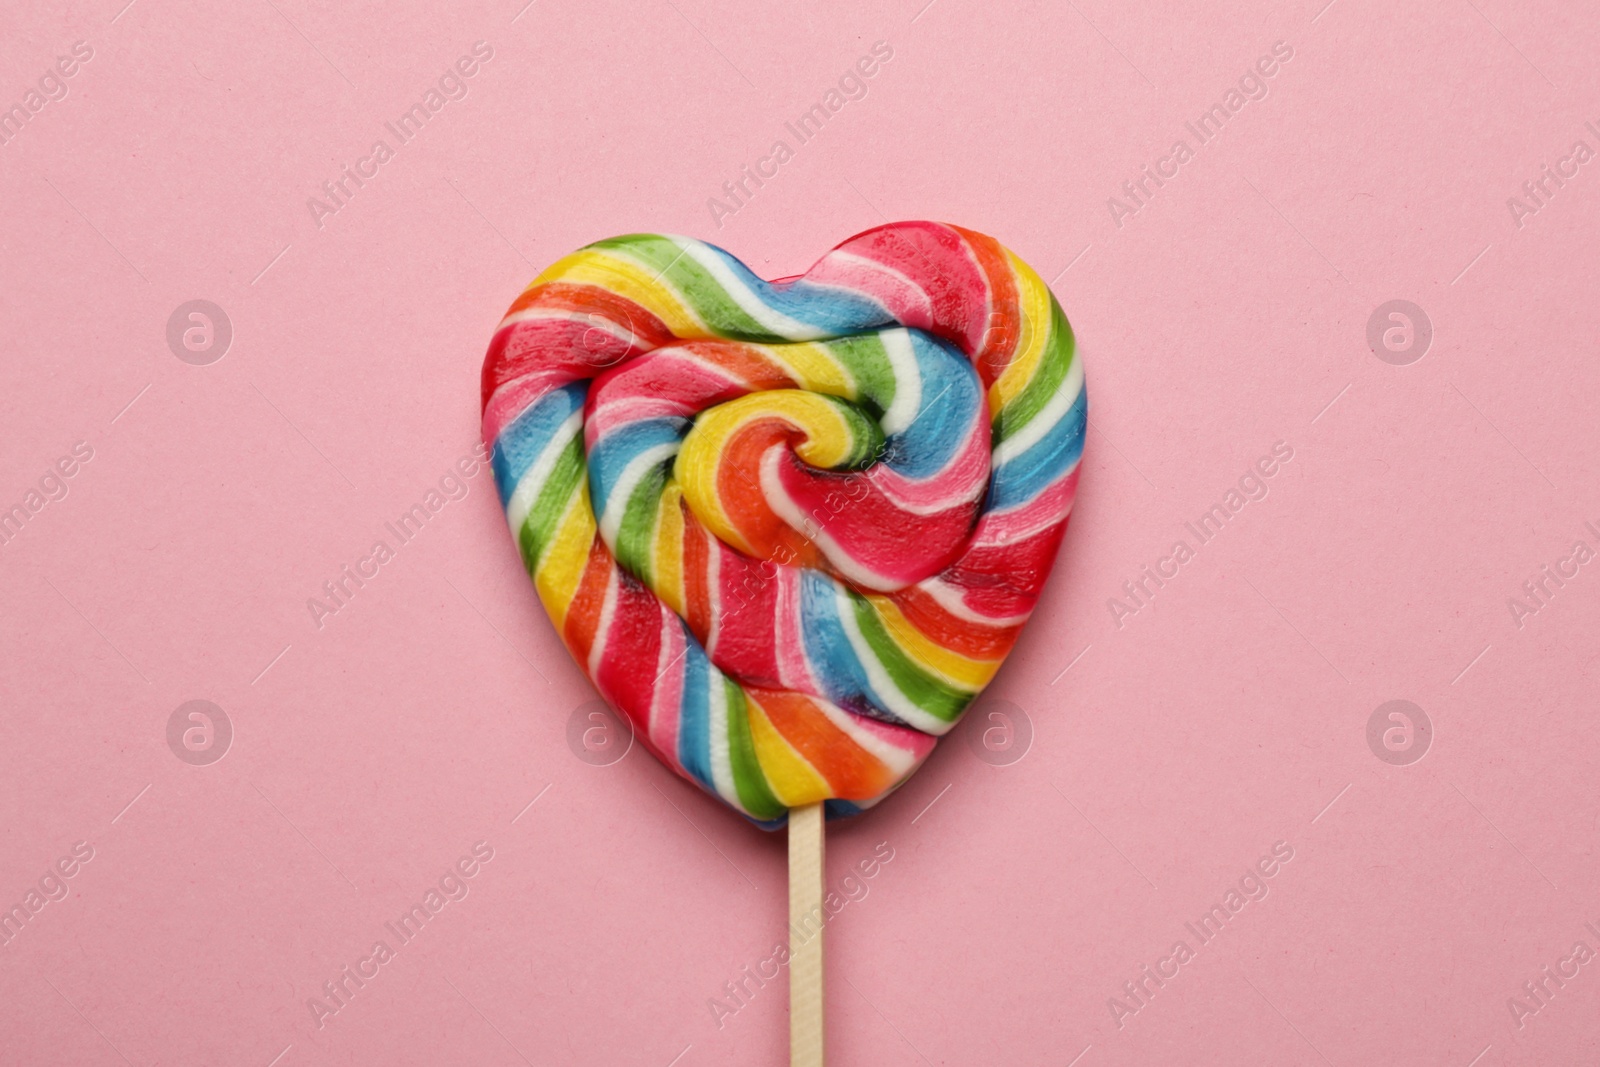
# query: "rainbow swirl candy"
790, 529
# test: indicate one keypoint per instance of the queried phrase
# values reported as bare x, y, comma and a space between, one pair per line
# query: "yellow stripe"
562, 567
954, 668
668, 579
629, 279
830, 440
1033, 300
791, 778
816, 369
695, 473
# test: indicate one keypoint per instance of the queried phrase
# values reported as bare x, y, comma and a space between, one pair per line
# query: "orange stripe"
769, 537
696, 573
1005, 315
852, 772
743, 361
971, 639
564, 296
583, 617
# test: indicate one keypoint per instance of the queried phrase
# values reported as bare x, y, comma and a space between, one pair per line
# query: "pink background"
1228, 314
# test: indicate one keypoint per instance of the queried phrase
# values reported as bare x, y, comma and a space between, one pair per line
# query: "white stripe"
977, 268
533, 479
726, 373
896, 701
893, 756
784, 506
617, 501
615, 414
658, 277
592, 319
907, 381
1004, 526
875, 267
602, 630
717, 737
609, 408
1061, 402
671, 652
953, 599
898, 488
794, 667
769, 319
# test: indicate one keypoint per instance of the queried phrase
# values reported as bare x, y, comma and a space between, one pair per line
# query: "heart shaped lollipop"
790, 529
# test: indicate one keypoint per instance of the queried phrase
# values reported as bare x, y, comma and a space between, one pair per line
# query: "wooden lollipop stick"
805, 936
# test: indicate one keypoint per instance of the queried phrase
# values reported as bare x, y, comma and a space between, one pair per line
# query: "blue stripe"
524, 438
621, 446
827, 308
844, 679
1026, 476
694, 723
950, 397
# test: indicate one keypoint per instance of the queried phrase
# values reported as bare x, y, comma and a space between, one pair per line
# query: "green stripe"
695, 285
863, 356
651, 249
937, 698
713, 304
635, 537
554, 496
1054, 362
866, 436
754, 795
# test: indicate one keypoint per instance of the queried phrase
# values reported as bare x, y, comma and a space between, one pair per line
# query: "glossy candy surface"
789, 529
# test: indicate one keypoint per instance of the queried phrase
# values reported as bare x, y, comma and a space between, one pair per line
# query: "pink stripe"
666, 707
915, 742
1000, 528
